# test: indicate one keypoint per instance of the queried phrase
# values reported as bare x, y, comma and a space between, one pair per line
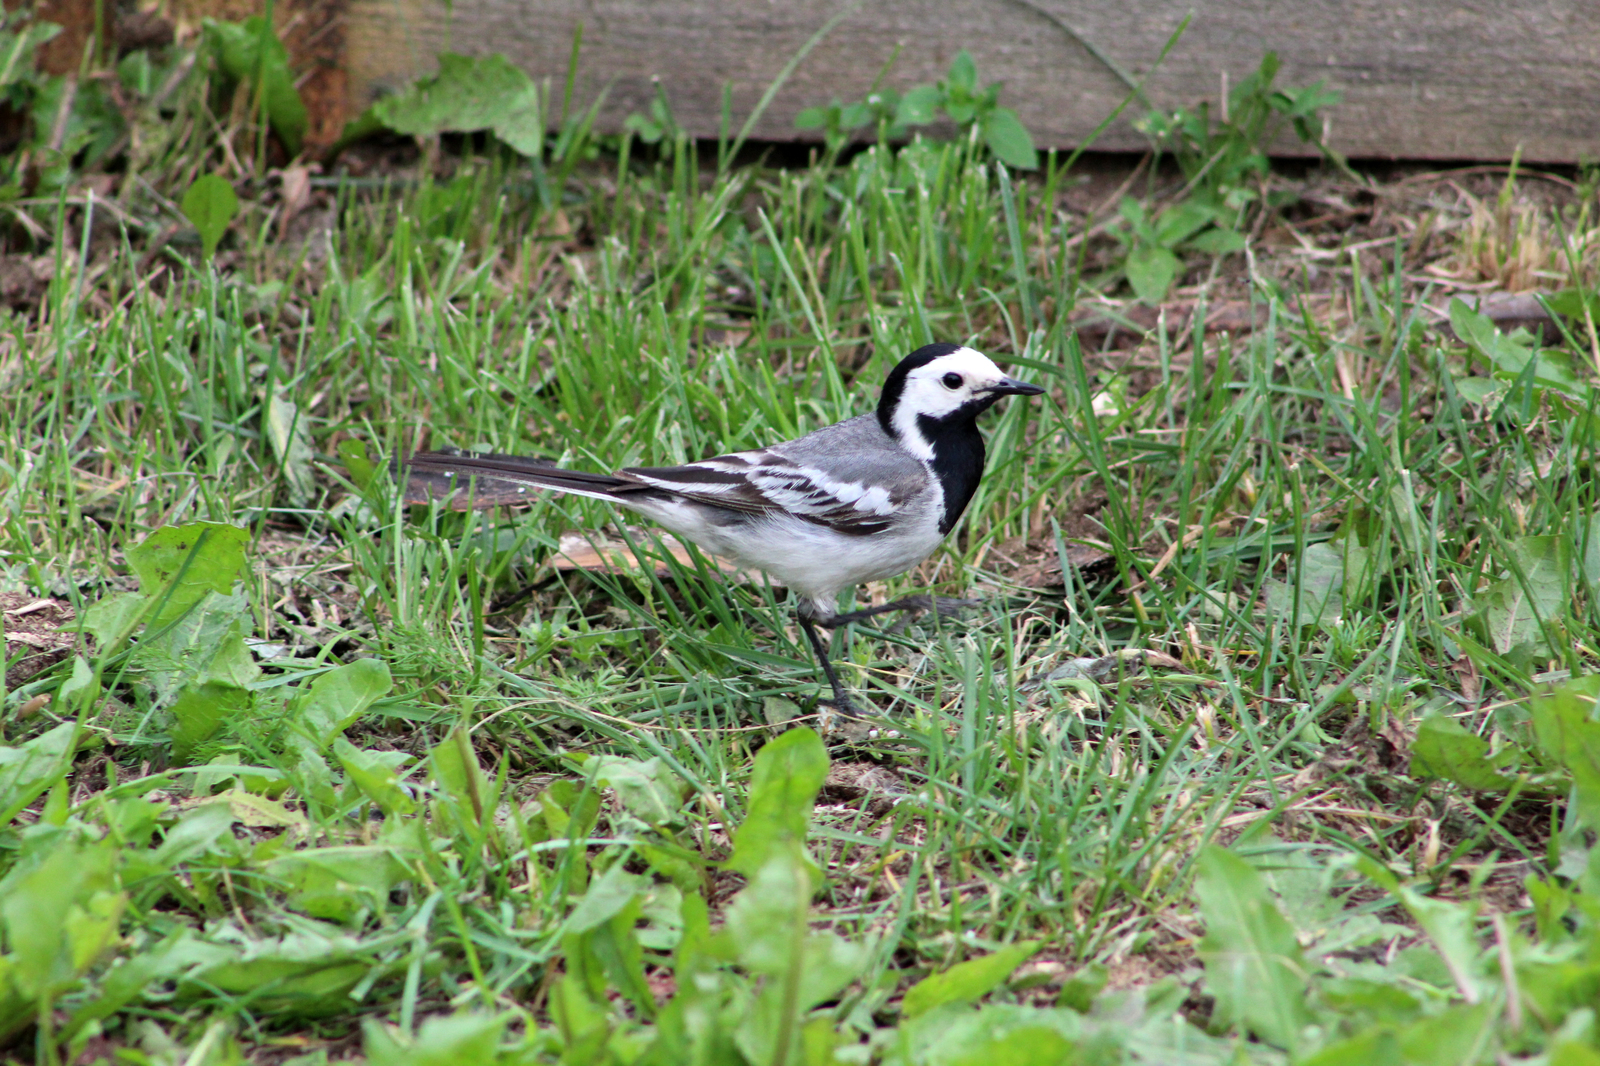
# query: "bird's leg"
941, 604
841, 701
810, 619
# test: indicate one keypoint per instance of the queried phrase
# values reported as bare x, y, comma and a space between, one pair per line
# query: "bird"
861, 500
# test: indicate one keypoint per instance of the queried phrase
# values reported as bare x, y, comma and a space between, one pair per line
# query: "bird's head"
945, 385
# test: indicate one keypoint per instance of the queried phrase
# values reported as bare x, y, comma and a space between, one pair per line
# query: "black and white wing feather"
762, 483
846, 477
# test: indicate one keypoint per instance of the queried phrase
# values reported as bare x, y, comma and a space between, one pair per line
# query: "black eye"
952, 380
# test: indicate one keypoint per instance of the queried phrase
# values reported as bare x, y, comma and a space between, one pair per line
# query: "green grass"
429, 833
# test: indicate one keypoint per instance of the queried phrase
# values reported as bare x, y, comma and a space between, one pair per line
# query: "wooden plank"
1434, 79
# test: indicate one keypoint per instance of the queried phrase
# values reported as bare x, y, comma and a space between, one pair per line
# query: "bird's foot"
842, 705
841, 718
911, 605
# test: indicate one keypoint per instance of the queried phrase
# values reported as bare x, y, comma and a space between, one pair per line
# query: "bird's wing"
767, 482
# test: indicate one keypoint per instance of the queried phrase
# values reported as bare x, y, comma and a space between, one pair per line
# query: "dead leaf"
45, 627
295, 195
249, 809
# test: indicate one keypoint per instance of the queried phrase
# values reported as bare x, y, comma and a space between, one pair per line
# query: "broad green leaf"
1005, 1033
697, 948
1576, 303
16, 50
1132, 211
26, 770
521, 127
200, 710
811, 118
584, 1025
353, 454
210, 205
608, 894
966, 981
341, 883
307, 972
1079, 990
1564, 725
683, 867
291, 440
202, 645
648, 788
1033, 1046
471, 791
1484, 392
1591, 556
661, 912
1218, 241
1459, 1034
1252, 959
1377, 998
232, 663
963, 71
1444, 748
337, 698
192, 559
60, 914
1181, 221
250, 51
602, 942
456, 1040
1009, 139
112, 619
767, 922
126, 980
1565, 1052
609, 956
789, 772
193, 836
1510, 355
1151, 271
1449, 925
1312, 596
917, 106
311, 776
467, 94
80, 681
79, 119
767, 928
374, 773
1513, 608
1375, 1047
1357, 564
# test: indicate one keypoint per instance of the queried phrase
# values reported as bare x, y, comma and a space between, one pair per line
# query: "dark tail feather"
480, 479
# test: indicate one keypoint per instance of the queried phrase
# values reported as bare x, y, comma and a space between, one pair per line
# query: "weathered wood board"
1430, 79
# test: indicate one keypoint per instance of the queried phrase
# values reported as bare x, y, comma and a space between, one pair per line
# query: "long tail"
479, 479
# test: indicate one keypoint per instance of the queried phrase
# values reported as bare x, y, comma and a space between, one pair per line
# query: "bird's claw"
842, 718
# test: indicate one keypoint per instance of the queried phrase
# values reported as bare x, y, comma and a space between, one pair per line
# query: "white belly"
813, 560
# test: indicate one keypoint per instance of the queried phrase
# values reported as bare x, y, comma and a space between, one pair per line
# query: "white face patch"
935, 391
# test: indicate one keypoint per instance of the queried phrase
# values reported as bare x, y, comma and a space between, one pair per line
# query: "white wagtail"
861, 500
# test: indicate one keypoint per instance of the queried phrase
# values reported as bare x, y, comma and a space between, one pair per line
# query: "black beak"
1013, 387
